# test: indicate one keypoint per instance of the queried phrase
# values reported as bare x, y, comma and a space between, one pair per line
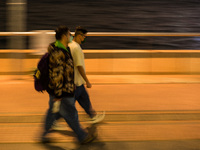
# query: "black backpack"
41, 74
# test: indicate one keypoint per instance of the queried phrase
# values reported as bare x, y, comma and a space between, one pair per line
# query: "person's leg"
83, 99
70, 114
50, 117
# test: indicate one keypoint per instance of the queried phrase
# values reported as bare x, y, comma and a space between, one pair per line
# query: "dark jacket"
61, 72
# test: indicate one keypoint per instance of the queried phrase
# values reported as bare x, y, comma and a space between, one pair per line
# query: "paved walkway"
119, 79
143, 113
110, 93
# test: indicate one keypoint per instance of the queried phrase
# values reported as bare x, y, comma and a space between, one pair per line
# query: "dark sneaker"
45, 140
92, 135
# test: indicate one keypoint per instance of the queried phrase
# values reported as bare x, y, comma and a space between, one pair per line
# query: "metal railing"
31, 55
47, 34
105, 34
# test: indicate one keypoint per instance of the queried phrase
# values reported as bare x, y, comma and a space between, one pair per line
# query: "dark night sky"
115, 16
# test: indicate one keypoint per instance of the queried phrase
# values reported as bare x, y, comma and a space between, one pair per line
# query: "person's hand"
57, 99
88, 84
56, 106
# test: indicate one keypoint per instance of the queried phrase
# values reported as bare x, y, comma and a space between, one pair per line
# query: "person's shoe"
92, 135
97, 118
45, 140
57, 126
88, 139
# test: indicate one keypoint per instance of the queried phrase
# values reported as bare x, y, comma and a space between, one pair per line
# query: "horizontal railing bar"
107, 54
104, 34
109, 51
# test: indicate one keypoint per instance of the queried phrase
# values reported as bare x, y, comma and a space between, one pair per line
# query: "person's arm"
78, 62
83, 74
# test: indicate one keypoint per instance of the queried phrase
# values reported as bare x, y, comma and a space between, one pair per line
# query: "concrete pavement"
152, 113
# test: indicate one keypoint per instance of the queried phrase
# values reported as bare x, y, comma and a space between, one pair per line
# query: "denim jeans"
69, 113
83, 99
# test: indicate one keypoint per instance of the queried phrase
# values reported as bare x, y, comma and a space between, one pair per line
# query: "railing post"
41, 41
16, 22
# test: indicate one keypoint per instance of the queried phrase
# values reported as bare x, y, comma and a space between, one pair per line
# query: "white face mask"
70, 39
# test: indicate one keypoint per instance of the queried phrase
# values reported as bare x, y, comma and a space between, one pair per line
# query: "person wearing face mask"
80, 78
61, 88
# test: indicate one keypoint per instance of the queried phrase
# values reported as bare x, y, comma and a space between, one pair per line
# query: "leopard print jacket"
61, 72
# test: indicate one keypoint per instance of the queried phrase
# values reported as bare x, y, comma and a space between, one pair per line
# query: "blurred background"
147, 80
154, 54
109, 16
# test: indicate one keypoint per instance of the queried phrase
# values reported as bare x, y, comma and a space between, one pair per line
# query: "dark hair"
80, 30
60, 31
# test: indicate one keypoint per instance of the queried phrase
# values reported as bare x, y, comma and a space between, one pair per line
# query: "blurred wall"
116, 62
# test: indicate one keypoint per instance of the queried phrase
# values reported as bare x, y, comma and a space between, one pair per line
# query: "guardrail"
111, 61
105, 34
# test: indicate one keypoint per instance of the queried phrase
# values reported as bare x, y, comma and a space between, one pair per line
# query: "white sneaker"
98, 118
58, 126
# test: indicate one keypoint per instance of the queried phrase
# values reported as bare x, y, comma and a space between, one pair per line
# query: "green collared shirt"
60, 45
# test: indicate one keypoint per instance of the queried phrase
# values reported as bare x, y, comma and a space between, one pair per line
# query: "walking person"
81, 95
61, 87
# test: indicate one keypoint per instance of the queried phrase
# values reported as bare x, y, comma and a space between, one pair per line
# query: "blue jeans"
83, 99
69, 113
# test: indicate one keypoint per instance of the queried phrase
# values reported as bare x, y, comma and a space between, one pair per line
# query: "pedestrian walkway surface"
142, 113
